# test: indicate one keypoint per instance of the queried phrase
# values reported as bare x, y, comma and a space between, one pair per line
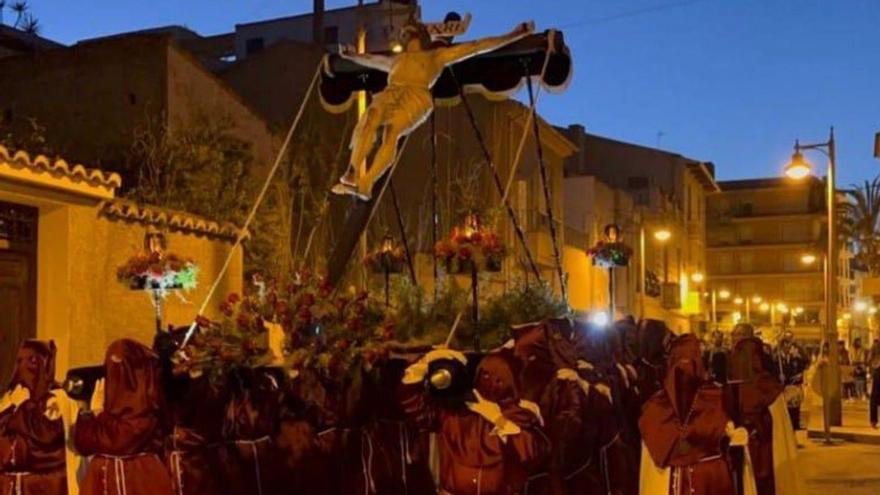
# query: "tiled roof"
57, 167
175, 220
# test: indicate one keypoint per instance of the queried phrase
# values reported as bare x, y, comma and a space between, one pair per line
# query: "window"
253, 45
331, 35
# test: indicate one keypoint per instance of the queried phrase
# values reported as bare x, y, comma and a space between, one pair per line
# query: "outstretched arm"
371, 60
464, 51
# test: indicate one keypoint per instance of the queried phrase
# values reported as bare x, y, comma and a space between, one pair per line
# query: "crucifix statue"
406, 102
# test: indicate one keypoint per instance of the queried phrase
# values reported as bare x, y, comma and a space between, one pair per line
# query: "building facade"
766, 250
667, 193
63, 234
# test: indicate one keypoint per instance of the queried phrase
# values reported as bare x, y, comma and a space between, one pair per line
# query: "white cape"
654, 480
785, 468
74, 463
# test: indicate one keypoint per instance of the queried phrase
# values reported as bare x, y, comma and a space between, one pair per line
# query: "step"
856, 435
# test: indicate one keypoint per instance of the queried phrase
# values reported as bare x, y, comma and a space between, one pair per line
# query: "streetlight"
697, 277
738, 300
808, 258
724, 294
799, 169
860, 306
662, 235
764, 307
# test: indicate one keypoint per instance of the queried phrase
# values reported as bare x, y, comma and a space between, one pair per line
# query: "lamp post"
799, 169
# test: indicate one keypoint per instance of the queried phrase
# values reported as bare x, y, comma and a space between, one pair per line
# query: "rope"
403, 239
522, 140
435, 220
252, 214
546, 187
510, 212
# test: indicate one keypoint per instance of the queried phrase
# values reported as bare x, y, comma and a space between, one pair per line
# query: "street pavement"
844, 467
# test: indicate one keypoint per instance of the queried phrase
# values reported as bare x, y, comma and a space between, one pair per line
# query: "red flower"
306, 299
157, 270
476, 237
465, 253
202, 321
226, 308
304, 314
233, 298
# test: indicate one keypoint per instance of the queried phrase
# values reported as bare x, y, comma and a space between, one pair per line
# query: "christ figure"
406, 102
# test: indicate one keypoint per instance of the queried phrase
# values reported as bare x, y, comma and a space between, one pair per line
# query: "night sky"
729, 81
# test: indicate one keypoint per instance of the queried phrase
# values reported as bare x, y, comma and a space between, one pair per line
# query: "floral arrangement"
239, 339
610, 254
470, 247
158, 271
388, 258
323, 330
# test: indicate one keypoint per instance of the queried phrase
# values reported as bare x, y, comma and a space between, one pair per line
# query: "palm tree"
30, 24
860, 223
20, 8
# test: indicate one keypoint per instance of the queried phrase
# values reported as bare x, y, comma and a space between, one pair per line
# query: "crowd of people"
565, 407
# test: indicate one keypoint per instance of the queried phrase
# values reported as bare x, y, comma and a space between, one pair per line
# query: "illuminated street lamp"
738, 300
860, 306
798, 169
697, 277
757, 299
808, 258
764, 307
662, 235
724, 294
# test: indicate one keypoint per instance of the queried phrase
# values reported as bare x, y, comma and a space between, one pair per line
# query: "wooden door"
18, 282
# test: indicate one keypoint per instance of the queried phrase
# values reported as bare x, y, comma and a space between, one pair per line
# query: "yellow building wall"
80, 304
101, 310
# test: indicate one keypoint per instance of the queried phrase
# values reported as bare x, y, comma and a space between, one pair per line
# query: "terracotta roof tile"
59, 167
175, 220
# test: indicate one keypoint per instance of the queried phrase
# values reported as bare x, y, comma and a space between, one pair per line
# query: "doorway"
18, 282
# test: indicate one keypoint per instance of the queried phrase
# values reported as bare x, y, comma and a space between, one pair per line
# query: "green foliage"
33, 140
859, 221
522, 304
201, 169
419, 321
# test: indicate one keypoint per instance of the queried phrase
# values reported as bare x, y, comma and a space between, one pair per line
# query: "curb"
849, 436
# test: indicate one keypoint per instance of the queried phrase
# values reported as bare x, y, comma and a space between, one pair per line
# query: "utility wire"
630, 13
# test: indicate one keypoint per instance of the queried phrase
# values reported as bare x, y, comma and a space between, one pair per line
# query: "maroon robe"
125, 439
752, 388
32, 446
684, 425
573, 466
473, 460
248, 466
193, 450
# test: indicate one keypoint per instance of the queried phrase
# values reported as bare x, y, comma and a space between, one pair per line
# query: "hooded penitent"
195, 408
683, 426
31, 445
653, 342
579, 420
752, 389
475, 458
125, 438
